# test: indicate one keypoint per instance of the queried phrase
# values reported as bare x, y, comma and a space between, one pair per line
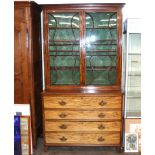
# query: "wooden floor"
77, 150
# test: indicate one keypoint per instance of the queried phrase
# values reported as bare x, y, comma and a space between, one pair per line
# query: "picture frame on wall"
24, 110
25, 135
131, 142
133, 125
136, 128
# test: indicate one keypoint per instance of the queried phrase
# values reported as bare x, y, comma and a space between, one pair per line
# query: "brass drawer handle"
101, 126
101, 139
62, 115
62, 103
101, 115
63, 139
63, 126
102, 103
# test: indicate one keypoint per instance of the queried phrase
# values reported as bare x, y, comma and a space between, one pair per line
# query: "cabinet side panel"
21, 80
36, 57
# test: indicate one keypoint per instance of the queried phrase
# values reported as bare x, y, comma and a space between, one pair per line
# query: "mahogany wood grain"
88, 102
83, 115
28, 61
119, 48
82, 126
82, 91
74, 114
36, 64
84, 138
86, 6
21, 79
20, 14
82, 52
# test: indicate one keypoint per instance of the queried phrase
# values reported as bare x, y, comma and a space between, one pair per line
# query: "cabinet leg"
119, 149
45, 148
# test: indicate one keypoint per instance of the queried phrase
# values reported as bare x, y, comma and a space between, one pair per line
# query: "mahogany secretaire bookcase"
82, 101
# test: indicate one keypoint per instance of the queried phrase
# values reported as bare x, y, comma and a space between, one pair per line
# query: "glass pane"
133, 104
101, 44
64, 49
134, 43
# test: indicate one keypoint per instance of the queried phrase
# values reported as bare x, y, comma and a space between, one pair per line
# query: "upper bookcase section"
82, 46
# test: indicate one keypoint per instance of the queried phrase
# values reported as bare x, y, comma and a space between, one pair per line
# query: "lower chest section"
82, 120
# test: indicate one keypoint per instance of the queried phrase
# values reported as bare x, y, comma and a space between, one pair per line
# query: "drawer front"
82, 102
82, 126
83, 138
66, 114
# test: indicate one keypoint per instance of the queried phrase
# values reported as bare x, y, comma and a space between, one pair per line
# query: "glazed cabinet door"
21, 78
100, 47
84, 48
63, 48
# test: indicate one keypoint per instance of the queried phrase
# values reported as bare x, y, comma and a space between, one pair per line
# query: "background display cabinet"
28, 61
133, 68
82, 101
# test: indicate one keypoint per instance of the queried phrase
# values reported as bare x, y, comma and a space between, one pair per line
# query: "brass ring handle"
101, 139
101, 126
62, 115
101, 115
63, 126
102, 103
62, 102
63, 138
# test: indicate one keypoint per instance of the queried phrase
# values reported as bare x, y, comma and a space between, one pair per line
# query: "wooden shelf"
79, 51
103, 40
62, 55
79, 55
65, 68
134, 53
64, 40
101, 55
102, 27
64, 51
101, 68
61, 28
52, 28
78, 67
101, 51
134, 97
78, 44
75, 44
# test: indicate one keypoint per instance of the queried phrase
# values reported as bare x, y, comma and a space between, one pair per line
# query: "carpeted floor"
77, 150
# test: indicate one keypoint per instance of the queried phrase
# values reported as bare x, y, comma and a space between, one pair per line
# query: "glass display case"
64, 48
101, 46
133, 69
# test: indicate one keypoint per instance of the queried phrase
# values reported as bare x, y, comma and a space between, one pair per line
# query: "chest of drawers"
82, 119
